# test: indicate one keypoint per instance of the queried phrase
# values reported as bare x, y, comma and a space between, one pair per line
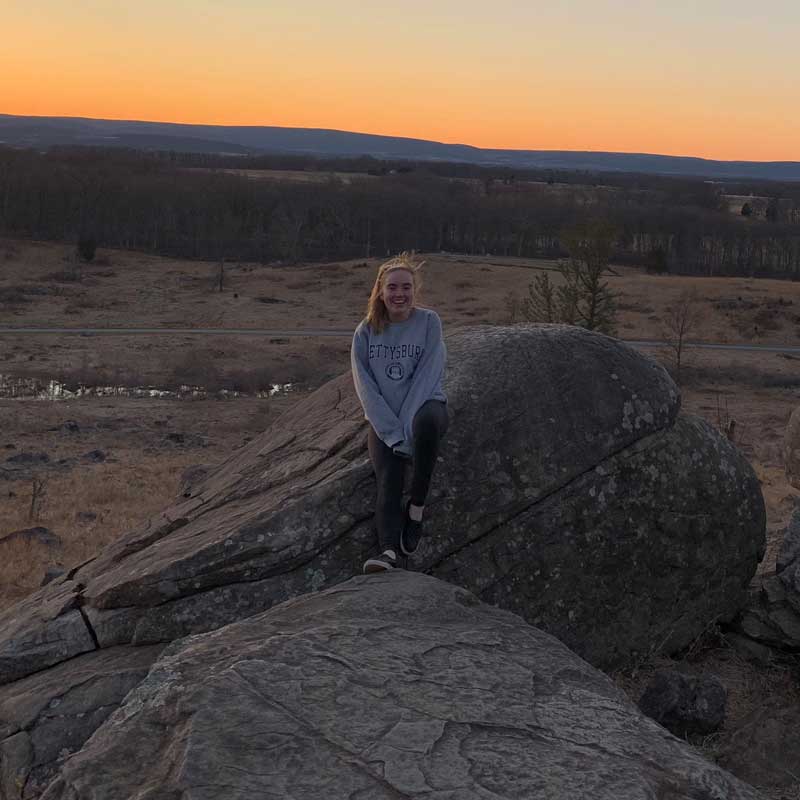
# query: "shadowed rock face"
569, 491
390, 686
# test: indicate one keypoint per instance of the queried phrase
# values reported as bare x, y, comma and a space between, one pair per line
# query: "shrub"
86, 248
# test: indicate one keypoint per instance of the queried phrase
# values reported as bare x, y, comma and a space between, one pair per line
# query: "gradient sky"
658, 77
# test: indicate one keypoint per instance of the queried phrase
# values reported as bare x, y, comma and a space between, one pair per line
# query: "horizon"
399, 136
716, 84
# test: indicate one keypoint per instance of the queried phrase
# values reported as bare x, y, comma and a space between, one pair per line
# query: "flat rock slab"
385, 687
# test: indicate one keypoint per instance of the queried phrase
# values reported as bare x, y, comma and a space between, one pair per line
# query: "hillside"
243, 140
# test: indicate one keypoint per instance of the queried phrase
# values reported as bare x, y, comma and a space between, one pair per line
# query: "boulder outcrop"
384, 687
570, 491
773, 614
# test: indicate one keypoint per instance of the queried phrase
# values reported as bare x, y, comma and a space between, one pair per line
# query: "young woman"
398, 360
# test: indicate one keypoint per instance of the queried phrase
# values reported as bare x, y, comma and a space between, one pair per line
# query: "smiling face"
397, 293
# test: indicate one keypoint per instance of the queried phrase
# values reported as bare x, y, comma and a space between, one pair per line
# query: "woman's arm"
376, 409
427, 375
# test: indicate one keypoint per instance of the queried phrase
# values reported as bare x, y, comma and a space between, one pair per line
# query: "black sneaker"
411, 535
383, 562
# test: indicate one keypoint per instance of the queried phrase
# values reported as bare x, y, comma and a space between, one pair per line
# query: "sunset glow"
657, 78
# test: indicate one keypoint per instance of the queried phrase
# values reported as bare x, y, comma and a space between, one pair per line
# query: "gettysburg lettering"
396, 351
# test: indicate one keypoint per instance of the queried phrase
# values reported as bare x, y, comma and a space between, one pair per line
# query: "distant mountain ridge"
45, 132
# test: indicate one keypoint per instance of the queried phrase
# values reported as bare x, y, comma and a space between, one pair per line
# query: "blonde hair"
377, 314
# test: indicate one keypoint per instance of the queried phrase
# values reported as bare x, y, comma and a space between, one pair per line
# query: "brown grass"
749, 686
120, 495
293, 176
139, 478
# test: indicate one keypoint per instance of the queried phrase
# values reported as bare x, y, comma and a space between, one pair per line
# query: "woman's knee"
431, 420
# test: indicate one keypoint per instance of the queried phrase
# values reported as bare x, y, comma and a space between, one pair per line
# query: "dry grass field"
290, 175
146, 444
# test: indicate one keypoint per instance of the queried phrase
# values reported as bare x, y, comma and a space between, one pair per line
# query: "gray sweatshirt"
396, 371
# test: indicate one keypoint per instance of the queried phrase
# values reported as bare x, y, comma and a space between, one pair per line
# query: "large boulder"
792, 449
384, 687
569, 491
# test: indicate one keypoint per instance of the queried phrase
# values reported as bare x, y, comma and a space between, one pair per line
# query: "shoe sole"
404, 550
376, 565
407, 552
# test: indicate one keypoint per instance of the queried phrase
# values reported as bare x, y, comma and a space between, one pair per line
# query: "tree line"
157, 203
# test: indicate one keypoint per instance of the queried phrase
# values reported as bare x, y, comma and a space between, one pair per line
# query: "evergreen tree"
583, 298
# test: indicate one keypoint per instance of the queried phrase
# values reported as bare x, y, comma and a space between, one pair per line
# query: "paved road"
332, 332
761, 348
181, 331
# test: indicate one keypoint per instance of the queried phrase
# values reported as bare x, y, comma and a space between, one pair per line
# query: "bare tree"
725, 422
683, 317
38, 491
217, 276
86, 247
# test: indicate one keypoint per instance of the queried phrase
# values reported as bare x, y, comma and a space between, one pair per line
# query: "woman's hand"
402, 450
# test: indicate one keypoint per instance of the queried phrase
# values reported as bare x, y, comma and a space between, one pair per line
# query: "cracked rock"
384, 687
50, 714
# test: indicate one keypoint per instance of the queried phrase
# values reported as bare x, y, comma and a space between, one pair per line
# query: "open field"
291, 175
103, 465
39, 286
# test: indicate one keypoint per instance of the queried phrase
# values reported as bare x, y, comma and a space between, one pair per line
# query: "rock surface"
773, 613
570, 491
47, 716
685, 704
385, 687
792, 449
36, 535
192, 476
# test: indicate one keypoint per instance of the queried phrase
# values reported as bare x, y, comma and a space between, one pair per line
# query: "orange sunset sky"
704, 78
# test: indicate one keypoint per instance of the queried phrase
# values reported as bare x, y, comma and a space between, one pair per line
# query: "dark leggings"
430, 425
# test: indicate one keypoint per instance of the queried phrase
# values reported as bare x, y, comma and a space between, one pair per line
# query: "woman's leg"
430, 425
389, 474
